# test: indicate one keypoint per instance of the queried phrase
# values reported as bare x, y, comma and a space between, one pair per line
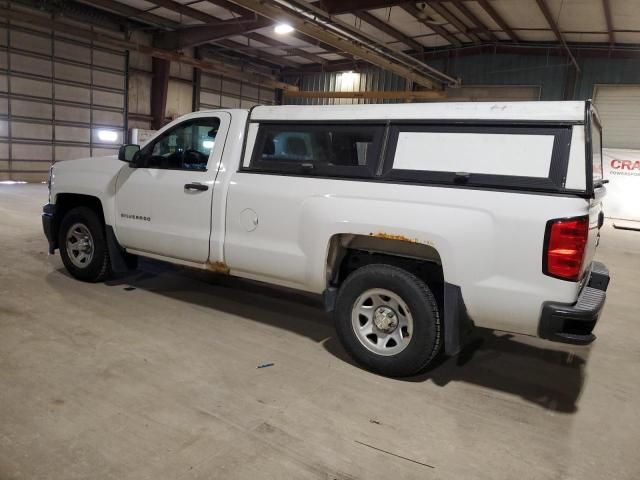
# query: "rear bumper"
574, 323
49, 220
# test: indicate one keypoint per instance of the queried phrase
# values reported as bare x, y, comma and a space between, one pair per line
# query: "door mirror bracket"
129, 153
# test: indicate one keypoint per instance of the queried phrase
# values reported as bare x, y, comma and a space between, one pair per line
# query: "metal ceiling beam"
556, 30
389, 30
377, 95
554, 50
411, 9
127, 11
210, 20
606, 4
198, 35
499, 20
253, 52
152, 19
327, 36
382, 26
481, 27
283, 46
453, 20
230, 71
336, 7
238, 10
184, 10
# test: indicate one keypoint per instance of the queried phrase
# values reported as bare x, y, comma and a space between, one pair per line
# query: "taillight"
564, 247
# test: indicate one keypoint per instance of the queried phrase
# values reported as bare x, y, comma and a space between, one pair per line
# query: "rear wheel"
388, 320
83, 245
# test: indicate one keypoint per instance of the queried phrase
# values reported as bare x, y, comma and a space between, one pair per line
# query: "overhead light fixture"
207, 144
283, 28
107, 135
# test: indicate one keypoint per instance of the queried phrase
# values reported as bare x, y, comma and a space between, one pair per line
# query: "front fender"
94, 177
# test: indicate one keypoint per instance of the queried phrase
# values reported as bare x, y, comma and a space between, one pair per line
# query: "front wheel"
388, 320
83, 246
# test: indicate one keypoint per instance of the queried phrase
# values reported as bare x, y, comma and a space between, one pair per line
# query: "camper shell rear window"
527, 156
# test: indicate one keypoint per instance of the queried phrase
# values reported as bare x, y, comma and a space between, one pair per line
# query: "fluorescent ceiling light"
283, 28
208, 144
107, 135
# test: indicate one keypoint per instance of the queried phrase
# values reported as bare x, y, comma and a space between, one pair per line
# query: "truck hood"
94, 176
92, 164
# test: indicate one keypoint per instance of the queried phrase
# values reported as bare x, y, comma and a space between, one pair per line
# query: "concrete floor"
154, 376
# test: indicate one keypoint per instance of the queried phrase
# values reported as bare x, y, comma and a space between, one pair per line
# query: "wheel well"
68, 201
347, 253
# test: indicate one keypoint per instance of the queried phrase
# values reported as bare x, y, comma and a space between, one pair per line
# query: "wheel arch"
68, 201
386, 248
348, 252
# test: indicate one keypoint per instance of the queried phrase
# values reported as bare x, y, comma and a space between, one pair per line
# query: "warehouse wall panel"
71, 51
33, 109
619, 110
31, 131
31, 87
58, 95
221, 92
179, 98
69, 113
31, 65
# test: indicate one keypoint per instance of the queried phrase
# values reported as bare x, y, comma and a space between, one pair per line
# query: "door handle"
196, 186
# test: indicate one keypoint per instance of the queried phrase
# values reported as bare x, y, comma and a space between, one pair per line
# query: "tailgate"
596, 220
596, 180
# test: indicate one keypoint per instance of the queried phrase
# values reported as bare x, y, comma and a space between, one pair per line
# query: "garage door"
491, 93
220, 92
60, 98
619, 110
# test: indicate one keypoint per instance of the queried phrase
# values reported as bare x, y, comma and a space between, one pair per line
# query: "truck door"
163, 206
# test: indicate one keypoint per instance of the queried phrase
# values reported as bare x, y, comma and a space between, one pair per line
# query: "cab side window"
318, 149
186, 146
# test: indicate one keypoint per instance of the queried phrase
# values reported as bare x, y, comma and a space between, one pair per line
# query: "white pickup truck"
414, 221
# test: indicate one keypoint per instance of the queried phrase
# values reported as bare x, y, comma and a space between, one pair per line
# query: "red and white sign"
622, 169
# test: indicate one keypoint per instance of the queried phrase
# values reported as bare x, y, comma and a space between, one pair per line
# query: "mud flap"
116, 252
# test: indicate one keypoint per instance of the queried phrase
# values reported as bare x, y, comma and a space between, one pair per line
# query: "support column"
159, 88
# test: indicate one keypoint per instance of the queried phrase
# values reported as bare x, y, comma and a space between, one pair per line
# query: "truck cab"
414, 222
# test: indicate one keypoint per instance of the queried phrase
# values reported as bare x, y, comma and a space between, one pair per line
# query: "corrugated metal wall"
610, 71
362, 81
547, 72
60, 97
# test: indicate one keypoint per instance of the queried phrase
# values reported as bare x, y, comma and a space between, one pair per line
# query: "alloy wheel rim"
382, 321
80, 245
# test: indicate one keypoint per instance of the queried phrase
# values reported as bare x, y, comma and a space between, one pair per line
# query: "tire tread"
429, 300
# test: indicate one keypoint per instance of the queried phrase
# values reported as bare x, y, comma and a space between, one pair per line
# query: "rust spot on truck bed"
391, 236
218, 267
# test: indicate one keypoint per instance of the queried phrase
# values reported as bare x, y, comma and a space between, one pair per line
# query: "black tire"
425, 341
99, 267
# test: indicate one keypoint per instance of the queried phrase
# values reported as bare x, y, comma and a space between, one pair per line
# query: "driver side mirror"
128, 153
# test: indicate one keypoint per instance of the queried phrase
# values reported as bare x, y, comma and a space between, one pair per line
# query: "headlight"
50, 181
